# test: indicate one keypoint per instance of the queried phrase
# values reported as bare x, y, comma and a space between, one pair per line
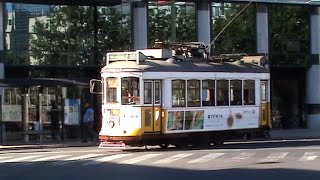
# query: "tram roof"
150, 65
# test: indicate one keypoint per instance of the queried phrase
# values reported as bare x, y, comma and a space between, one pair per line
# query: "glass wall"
289, 26
240, 35
171, 21
68, 35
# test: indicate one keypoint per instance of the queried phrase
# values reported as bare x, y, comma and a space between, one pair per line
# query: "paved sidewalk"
287, 134
290, 134
47, 145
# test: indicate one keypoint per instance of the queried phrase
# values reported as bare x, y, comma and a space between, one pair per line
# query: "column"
262, 29
140, 24
2, 31
204, 21
313, 72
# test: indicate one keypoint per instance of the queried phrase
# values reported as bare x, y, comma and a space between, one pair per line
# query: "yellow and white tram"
163, 100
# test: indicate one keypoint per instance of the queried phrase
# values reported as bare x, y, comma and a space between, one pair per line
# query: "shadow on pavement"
112, 171
237, 145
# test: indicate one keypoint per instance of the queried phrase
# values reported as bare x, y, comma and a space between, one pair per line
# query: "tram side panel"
212, 120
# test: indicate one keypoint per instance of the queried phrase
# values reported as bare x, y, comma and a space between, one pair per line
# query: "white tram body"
162, 101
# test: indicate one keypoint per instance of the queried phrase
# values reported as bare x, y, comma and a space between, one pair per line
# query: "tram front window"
130, 91
112, 84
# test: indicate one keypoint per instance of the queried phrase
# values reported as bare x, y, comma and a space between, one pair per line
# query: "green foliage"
160, 24
289, 35
68, 35
239, 36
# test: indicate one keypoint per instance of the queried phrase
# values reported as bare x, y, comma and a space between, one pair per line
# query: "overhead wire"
225, 27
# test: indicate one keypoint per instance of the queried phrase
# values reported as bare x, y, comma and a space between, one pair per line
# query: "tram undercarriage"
192, 139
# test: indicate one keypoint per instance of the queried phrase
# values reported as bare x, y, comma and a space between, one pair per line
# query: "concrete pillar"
2, 31
140, 24
262, 30
204, 21
313, 72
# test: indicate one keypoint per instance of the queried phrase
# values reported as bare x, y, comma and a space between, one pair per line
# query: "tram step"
112, 145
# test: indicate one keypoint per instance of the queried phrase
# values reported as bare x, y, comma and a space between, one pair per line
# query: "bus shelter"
26, 104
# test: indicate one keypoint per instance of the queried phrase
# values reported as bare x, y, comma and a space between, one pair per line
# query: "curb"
44, 146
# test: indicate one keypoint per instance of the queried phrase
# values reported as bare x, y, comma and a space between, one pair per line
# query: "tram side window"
147, 93
130, 91
208, 94
157, 93
222, 92
236, 92
178, 93
193, 92
249, 92
112, 84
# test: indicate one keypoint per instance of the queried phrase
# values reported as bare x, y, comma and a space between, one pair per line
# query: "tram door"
151, 111
264, 110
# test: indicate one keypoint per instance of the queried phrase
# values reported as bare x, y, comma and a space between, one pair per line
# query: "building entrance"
288, 93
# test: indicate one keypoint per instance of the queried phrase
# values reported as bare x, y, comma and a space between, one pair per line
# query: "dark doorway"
288, 94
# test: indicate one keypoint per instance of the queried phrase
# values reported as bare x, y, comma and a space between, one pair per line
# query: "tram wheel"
218, 141
164, 145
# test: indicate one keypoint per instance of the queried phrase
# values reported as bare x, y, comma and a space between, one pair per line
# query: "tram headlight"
111, 123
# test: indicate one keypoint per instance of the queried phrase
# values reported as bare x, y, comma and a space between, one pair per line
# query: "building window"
178, 93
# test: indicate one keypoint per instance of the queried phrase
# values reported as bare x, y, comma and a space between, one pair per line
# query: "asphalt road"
250, 160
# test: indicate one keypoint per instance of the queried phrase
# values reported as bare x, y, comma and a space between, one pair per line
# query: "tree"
239, 36
160, 24
289, 35
67, 35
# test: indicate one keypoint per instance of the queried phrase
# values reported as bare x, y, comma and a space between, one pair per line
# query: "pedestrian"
87, 123
54, 118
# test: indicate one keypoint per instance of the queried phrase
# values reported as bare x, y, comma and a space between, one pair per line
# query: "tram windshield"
112, 84
130, 91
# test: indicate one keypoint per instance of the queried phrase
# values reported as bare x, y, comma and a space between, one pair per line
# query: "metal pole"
25, 115
1, 128
40, 112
